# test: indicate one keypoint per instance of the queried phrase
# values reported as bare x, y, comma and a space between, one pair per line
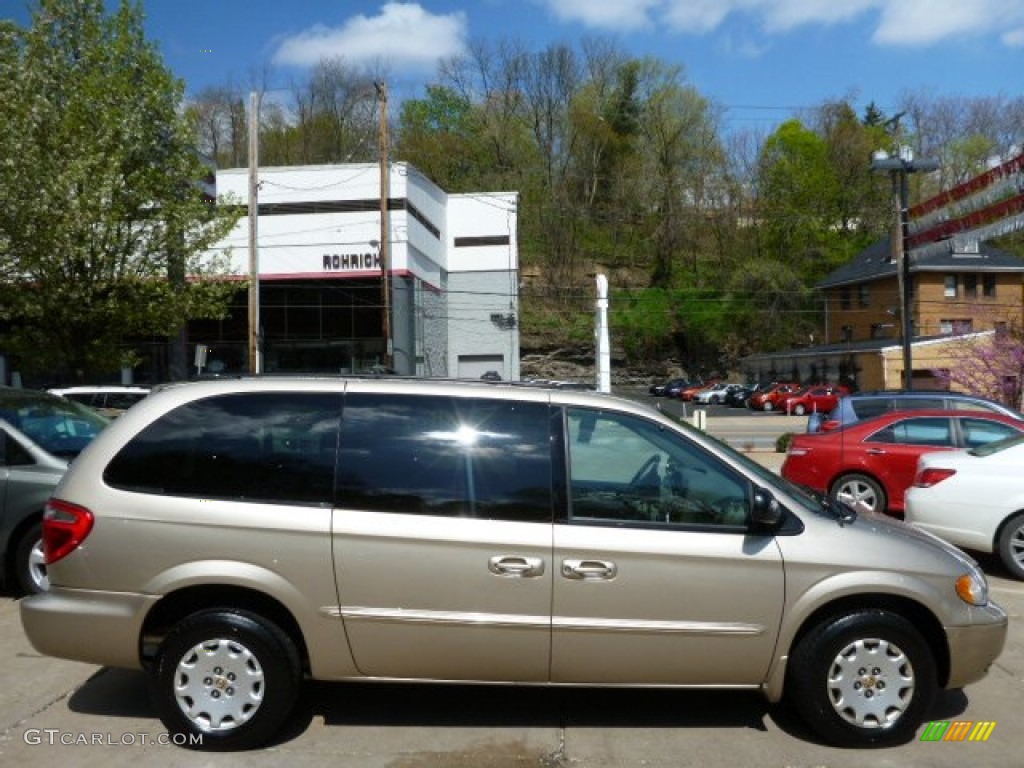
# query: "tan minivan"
233, 537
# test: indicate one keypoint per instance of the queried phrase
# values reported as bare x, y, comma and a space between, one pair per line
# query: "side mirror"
766, 513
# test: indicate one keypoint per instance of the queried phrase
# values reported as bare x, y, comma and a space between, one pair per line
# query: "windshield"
60, 427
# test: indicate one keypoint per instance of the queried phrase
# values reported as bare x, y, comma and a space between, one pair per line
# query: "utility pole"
385, 289
899, 168
254, 259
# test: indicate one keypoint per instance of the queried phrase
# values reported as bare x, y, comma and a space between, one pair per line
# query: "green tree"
100, 202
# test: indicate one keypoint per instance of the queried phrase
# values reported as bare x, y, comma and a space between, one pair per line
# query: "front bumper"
974, 647
95, 627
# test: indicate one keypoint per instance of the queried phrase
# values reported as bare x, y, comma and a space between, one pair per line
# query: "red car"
686, 395
773, 397
820, 398
870, 464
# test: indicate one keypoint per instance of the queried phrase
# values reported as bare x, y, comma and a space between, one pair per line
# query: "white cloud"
894, 22
615, 15
926, 22
403, 35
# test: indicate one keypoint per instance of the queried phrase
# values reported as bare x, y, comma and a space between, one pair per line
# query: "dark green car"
39, 435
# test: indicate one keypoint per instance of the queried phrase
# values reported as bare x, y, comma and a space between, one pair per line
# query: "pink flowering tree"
988, 364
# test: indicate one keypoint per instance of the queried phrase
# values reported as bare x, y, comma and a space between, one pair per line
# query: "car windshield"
996, 446
59, 426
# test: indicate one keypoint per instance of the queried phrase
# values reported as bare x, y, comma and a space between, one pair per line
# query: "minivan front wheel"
862, 679
225, 679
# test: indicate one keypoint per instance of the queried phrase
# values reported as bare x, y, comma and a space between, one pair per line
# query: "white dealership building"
452, 272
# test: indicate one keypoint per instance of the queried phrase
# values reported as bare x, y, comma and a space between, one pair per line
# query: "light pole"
899, 168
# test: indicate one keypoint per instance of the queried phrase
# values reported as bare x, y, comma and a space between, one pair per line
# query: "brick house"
969, 290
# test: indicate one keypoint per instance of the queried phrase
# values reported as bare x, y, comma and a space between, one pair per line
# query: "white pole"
604, 355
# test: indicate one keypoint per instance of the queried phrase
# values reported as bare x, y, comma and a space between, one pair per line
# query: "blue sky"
760, 59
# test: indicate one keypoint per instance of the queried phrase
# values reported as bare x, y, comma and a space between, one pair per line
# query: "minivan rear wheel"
862, 679
225, 679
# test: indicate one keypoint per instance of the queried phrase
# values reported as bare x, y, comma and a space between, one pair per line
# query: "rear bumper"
95, 627
973, 648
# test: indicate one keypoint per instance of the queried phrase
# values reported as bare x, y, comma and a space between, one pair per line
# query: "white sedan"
973, 498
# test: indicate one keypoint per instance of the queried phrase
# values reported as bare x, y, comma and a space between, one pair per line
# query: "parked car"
772, 398
864, 405
974, 498
739, 398
490, 376
871, 463
715, 394
687, 394
675, 387
662, 390
231, 537
108, 400
39, 433
814, 399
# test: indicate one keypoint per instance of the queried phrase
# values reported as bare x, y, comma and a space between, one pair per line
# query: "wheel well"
177, 605
923, 620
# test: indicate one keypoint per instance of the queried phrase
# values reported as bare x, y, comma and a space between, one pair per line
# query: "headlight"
972, 587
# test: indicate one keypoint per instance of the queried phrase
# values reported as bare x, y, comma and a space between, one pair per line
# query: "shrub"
782, 442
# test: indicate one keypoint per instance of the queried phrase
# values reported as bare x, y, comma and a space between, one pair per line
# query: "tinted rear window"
273, 447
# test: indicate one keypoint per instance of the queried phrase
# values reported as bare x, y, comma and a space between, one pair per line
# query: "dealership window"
950, 291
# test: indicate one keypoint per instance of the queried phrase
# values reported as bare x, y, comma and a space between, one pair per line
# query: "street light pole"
385, 288
899, 168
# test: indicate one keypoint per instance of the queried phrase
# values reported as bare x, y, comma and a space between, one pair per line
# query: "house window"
950, 286
970, 286
863, 295
1002, 329
988, 285
846, 333
844, 297
956, 326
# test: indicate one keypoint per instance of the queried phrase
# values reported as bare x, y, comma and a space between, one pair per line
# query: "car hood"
877, 524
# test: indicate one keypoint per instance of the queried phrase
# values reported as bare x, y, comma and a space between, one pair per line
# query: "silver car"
39, 433
233, 537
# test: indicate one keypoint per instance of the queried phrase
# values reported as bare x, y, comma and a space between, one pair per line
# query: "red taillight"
828, 426
65, 526
926, 478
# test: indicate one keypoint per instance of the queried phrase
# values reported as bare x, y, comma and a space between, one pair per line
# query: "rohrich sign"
351, 262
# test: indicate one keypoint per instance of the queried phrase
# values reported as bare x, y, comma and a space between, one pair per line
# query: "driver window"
625, 470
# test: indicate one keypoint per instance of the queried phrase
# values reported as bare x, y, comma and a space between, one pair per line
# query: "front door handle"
515, 566
589, 570
875, 452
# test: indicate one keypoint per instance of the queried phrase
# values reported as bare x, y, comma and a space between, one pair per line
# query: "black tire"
247, 668
713, 400
863, 679
800, 409
29, 569
860, 492
1011, 545
767, 406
